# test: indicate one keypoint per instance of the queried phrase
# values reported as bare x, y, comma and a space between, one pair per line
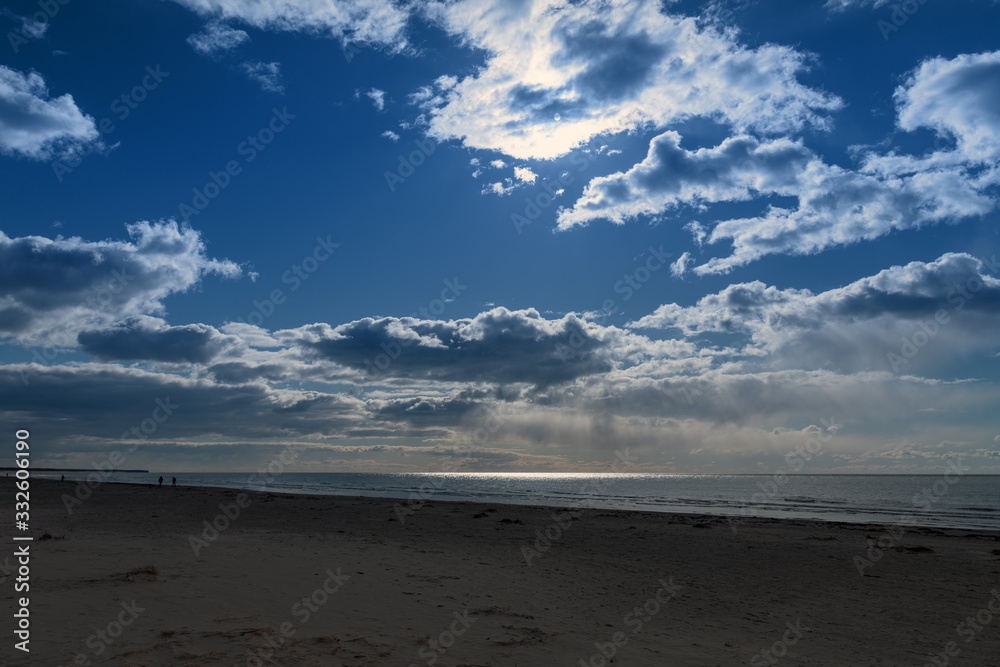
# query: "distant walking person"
161, 480
62, 478
175, 481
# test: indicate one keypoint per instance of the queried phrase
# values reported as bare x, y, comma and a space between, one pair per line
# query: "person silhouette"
63, 478
175, 481
161, 480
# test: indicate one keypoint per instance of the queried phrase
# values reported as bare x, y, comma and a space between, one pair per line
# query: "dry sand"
120, 584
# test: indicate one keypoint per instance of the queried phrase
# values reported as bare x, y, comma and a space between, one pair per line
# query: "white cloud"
391, 136
737, 169
954, 302
375, 22
680, 267
377, 97
498, 188
30, 28
425, 98
609, 67
839, 206
836, 205
498, 164
446, 82
37, 126
958, 97
841, 5
524, 174
267, 75
216, 37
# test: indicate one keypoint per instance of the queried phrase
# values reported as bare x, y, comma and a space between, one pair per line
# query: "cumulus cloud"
560, 73
52, 289
37, 126
740, 168
959, 97
499, 346
898, 319
836, 205
151, 339
217, 37
266, 75
391, 136
525, 175
496, 346
562, 394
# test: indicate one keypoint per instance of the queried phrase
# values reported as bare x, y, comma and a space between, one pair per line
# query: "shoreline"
670, 510
329, 579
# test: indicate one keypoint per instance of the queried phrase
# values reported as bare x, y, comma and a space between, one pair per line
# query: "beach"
139, 575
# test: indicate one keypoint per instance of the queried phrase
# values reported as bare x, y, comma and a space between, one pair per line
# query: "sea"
953, 500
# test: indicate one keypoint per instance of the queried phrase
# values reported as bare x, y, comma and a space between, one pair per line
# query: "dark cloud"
192, 343
498, 346
618, 65
52, 289
104, 401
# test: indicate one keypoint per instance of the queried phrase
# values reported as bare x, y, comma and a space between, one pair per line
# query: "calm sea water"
967, 501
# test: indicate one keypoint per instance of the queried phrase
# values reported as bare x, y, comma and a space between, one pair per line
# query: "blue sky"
542, 232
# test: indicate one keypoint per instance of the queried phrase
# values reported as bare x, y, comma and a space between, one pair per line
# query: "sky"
502, 235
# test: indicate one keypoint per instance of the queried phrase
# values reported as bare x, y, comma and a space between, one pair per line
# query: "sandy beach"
324, 580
